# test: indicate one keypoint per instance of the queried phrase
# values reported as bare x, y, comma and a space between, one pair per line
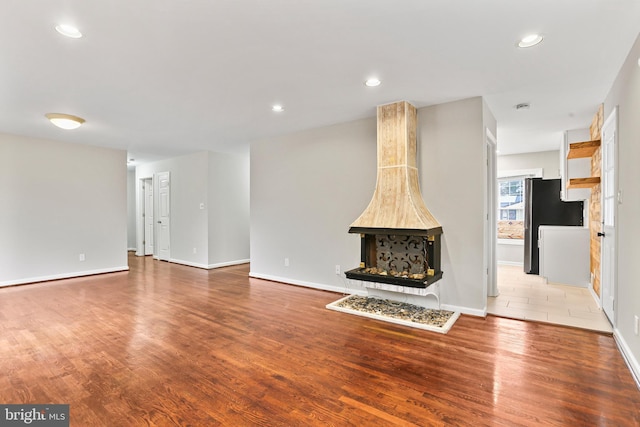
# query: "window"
511, 203
511, 208
511, 199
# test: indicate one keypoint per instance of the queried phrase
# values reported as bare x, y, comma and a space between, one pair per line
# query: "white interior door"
148, 217
163, 218
608, 186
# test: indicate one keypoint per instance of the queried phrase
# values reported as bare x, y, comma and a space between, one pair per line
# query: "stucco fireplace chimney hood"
397, 206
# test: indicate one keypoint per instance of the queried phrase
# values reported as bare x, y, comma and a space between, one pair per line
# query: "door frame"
140, 225
610, 277
490, 281
146, 183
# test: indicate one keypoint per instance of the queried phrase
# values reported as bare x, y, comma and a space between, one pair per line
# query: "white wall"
625, 93
216, 234
131, 209
452, 182
549, 161
510, 252
307, 188
60, 200
228, 200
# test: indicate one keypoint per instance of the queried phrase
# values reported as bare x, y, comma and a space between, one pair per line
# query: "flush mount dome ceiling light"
530, 40
372, 82
69, 31
277, 108
65, 121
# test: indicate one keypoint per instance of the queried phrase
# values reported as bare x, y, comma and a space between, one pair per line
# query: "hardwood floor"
166, 344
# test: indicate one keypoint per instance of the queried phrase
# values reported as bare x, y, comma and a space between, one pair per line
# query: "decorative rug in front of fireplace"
396, 312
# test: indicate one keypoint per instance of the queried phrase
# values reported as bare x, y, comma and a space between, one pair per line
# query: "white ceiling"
161, 78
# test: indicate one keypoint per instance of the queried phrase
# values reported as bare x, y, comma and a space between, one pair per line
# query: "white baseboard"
209, 266
132, 249
63, 276
229, 263
187, 263
339, 289
627, 355
464, 310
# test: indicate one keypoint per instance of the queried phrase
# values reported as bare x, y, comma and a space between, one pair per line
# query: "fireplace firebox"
389, 256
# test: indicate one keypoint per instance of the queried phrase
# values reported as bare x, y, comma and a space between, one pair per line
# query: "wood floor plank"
165, 344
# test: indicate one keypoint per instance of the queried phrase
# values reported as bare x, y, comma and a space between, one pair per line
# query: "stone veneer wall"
595, 218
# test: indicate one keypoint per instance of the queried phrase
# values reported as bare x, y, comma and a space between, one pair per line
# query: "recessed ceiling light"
372, 82
277, 108
65, 121
530, 40
69, 31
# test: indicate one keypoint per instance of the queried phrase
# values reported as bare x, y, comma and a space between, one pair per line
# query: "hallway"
528, 297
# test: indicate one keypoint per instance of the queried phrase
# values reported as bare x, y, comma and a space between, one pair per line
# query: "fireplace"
400, 238
399, 259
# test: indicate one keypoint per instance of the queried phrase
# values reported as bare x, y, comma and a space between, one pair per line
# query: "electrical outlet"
636, 324
338, 270
286, 262
81, 257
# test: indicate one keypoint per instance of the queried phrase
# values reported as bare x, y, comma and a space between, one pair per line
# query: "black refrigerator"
543, 206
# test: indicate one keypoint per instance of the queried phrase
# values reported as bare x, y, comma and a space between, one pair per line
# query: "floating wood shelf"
583, 182
579, 150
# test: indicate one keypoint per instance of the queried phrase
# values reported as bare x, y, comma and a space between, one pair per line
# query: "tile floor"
529, 297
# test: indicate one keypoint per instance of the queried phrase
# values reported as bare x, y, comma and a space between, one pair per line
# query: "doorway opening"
148, 231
